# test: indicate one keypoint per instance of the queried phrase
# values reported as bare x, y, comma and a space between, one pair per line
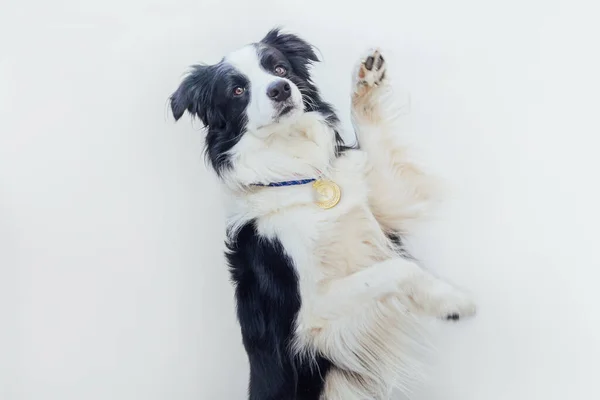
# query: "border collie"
327, 298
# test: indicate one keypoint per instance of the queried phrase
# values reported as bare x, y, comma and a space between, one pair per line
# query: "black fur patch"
207, 92
396, 239
268, 300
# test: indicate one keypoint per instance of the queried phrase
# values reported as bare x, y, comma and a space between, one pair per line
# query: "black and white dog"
327, 299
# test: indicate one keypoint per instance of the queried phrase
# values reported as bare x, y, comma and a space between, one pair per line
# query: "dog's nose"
279, 91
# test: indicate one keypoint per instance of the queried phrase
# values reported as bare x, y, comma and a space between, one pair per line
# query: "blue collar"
287, 183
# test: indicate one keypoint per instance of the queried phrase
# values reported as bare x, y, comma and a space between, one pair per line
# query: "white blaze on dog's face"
273, 97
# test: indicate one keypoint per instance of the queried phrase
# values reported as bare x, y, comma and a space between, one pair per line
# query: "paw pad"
371, 71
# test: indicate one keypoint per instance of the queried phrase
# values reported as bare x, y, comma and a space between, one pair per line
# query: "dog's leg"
365, 324
419, 291
399, 190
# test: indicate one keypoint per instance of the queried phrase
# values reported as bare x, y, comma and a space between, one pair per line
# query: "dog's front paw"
448, 303
371, 69
455, 307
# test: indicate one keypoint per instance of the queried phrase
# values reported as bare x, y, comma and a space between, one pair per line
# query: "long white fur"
360, 300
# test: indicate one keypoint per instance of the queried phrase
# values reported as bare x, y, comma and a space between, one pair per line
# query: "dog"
328, 299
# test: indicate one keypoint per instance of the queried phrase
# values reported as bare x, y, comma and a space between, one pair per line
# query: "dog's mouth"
286, 110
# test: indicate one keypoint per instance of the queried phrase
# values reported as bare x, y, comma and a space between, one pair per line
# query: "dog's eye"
238, 91
279, 70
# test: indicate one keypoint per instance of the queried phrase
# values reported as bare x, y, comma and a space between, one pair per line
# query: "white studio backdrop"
112, 279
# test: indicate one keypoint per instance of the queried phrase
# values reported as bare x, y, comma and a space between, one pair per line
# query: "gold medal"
328, 193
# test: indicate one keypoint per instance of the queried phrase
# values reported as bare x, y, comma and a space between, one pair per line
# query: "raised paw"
372, 69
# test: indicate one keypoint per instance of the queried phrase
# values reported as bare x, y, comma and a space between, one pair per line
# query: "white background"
112, 279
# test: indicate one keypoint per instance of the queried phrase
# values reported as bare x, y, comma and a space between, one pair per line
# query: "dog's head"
250, 90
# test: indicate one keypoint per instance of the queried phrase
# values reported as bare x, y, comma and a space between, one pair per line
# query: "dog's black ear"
290, 44
297, 50
180, 101
190, 94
